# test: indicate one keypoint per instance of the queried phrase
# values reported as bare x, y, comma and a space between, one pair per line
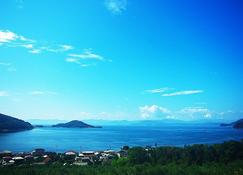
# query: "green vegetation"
73, 124
218, 159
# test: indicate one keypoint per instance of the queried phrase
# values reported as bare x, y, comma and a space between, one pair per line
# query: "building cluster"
41, 157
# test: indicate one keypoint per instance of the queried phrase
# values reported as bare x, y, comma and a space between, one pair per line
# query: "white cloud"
188, 113
7, 36
72, 60
55, 48
159, 90
154, 112
43, 93
88, 55
35, 51
3, 94
85, 59
164, 92
86, 65
67, 47
116, 6
189, 92
27, 46
11, 39
195, 112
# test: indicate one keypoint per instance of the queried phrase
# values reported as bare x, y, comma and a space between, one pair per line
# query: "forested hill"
11, 124
74, 124
237, 124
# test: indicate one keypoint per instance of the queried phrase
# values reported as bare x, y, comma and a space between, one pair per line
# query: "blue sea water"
114, 137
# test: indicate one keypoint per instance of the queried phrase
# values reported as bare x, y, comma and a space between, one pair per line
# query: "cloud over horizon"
155, 112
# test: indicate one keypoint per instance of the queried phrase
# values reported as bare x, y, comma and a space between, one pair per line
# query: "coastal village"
42, 157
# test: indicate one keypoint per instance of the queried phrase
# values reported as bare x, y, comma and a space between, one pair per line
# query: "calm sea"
114, 137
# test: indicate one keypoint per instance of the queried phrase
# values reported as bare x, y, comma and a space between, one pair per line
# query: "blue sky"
121, 59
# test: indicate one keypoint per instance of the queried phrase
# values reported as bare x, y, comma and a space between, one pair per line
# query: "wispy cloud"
35, 51
87, 55
8, 36
4, 94
169, 92
86, 58
188, 92
43, 93
159, 90
67, 47
116, 6
193, 112
8, 66
11, 39
27, 46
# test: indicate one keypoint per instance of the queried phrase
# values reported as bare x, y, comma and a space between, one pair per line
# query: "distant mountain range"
74, 124
146, 123
11, 124
237, 124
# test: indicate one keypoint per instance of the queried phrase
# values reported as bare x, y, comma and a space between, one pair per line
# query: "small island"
75, 124
11, 124
237, 124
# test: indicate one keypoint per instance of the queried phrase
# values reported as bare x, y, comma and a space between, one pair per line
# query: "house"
87, 160
82, 161
11, 162
81, 155
88, 153
38, 152
18, 160
70, 153
51, 154
5, 154
7, 159
70, 156
110, 152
